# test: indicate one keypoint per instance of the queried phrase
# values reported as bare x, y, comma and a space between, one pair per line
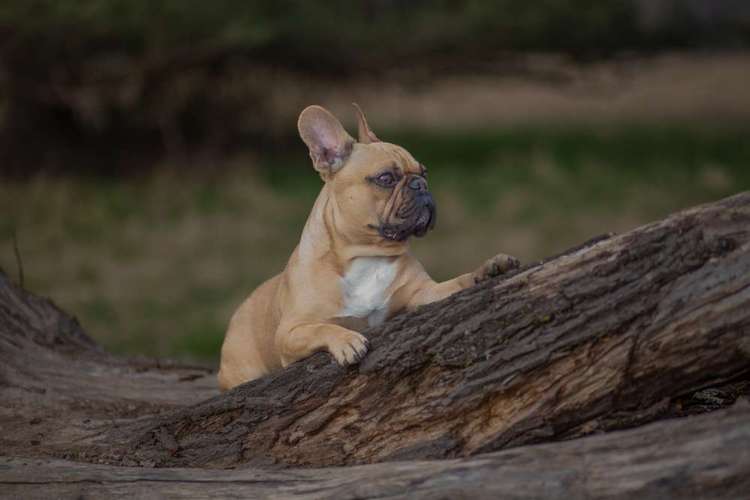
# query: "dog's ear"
366, 136
329, 144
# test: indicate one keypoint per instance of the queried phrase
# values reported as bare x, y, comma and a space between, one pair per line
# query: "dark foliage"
104, 84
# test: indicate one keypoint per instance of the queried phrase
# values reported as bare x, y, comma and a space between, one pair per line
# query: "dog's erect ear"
328, 142
366, 136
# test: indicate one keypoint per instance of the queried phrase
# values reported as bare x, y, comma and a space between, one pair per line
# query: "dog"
352, 267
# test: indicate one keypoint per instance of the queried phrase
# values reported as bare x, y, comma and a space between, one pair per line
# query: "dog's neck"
320, 236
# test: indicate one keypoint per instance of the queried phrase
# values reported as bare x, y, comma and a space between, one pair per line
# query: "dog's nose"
418, 184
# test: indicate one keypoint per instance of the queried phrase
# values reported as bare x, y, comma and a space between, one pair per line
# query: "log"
611, 335
602, 338
57, 387
698, 457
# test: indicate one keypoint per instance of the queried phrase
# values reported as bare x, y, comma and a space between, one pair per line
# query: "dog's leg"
300, 341
429, 291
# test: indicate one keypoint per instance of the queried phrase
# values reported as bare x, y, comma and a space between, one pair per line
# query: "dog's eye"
386, 179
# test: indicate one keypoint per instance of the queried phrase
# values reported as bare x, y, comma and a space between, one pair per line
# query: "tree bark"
599, 339
58, 388
698, 457
615, 334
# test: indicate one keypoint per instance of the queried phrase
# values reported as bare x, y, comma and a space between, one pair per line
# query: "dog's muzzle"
416, 215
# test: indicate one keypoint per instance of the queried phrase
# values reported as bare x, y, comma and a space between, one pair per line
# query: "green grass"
601, 161
156, 265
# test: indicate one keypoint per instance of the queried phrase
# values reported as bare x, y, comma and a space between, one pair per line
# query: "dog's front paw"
348, 347
497, 265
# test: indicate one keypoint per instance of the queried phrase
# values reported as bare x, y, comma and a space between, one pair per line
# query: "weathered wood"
605, 337
598, 339
697, 457
58, 387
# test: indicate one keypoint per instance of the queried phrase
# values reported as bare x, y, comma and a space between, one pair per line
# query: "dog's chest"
366, 288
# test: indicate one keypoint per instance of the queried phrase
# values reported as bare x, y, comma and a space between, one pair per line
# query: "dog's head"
379, 189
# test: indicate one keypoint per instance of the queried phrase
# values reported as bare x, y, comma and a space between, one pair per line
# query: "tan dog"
352, 267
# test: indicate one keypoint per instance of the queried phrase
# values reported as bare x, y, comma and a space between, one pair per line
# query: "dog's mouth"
416, 219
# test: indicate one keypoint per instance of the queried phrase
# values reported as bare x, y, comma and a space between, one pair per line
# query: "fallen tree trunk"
599, 339
700, 457
608, 336
58, 388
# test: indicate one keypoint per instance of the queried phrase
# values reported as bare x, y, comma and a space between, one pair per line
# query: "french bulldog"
352, 267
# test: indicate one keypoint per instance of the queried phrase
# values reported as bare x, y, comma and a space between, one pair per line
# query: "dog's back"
248, 351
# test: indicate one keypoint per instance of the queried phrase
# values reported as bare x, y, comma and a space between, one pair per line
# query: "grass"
156, 265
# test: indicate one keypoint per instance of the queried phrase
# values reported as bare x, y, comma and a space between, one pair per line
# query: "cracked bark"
612, 335
701, 457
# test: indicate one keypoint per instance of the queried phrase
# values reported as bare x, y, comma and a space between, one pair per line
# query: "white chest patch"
365, 288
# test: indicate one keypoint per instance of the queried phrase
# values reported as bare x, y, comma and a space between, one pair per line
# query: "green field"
156, 264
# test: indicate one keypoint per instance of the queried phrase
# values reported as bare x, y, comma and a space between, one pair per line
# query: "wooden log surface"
698, 457
57, 387
601, 338
613, 335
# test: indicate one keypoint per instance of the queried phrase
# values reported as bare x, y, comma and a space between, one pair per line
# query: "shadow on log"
612, 335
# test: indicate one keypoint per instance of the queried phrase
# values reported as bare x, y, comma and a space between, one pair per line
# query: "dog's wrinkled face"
379, 189
384, 189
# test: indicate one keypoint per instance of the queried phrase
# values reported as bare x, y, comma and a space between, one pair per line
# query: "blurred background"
151, 176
